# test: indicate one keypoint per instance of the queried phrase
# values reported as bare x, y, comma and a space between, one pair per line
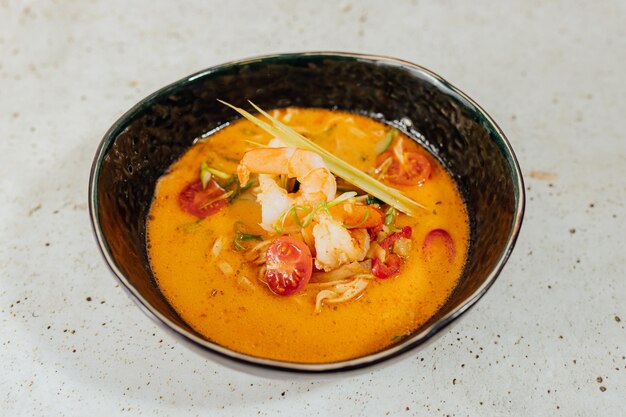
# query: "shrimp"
335, 245
316, 181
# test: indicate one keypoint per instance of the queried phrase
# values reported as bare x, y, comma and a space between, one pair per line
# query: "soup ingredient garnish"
390, 218
316, 181
441, 236
202, 201
337, 231
289, 265
338, 166
205, 175
390, 265
403, 167
386, 141
241, 237
343, 291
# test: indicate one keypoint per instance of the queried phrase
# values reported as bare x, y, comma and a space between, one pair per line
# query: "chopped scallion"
343, 197
240, 236
390, 216
215, 200
205, 174
385, 142
218, 173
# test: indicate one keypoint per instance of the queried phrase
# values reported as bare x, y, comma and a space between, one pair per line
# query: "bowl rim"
242, 361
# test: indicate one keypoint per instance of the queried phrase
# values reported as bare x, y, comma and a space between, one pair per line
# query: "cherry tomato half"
201, 202
413, 171
289, 265
438, 235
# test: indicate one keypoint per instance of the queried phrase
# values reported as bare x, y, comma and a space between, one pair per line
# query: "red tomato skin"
414, 171
193, 198
442, 235
392, 263
388, 242
390, 267
289, 266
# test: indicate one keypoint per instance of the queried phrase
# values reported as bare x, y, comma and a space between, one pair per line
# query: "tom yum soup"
307, 235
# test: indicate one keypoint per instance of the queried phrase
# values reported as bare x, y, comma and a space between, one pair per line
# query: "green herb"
241, 236
215, 200
291, 211
205, 174
218, 173
397, 337
190, 227
372, 200
239, 189
385, 142
338, 166
343, 197
390, 217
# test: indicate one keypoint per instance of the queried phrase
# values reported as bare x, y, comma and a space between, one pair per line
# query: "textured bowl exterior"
145, 141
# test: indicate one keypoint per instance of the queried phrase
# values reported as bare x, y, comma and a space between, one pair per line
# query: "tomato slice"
392, 263
289, 265
415, 169
442, 236
202, 202
390, 267
388, 242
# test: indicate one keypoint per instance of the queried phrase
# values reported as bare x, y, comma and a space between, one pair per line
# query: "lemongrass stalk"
336, 165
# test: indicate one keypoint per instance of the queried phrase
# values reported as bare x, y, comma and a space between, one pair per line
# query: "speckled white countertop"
549, 339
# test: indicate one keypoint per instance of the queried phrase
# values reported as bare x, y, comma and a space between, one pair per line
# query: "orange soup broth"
239, 312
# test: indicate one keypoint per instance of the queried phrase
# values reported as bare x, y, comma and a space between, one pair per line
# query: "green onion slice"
385, 142
218, 173
205, 174
343, 197
240, 236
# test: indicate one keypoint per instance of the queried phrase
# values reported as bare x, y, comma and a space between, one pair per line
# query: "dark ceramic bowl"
143, 143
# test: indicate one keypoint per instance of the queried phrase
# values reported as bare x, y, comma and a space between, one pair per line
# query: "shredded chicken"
341, 292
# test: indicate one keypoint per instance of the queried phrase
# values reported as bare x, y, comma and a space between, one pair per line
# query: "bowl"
142, 144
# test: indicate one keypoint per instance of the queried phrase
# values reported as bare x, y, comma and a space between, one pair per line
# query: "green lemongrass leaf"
385, 142
359, 224
338, 166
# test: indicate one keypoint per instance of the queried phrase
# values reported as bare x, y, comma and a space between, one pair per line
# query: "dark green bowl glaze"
143, 143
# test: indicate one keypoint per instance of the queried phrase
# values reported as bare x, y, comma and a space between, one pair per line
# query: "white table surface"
549, 338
